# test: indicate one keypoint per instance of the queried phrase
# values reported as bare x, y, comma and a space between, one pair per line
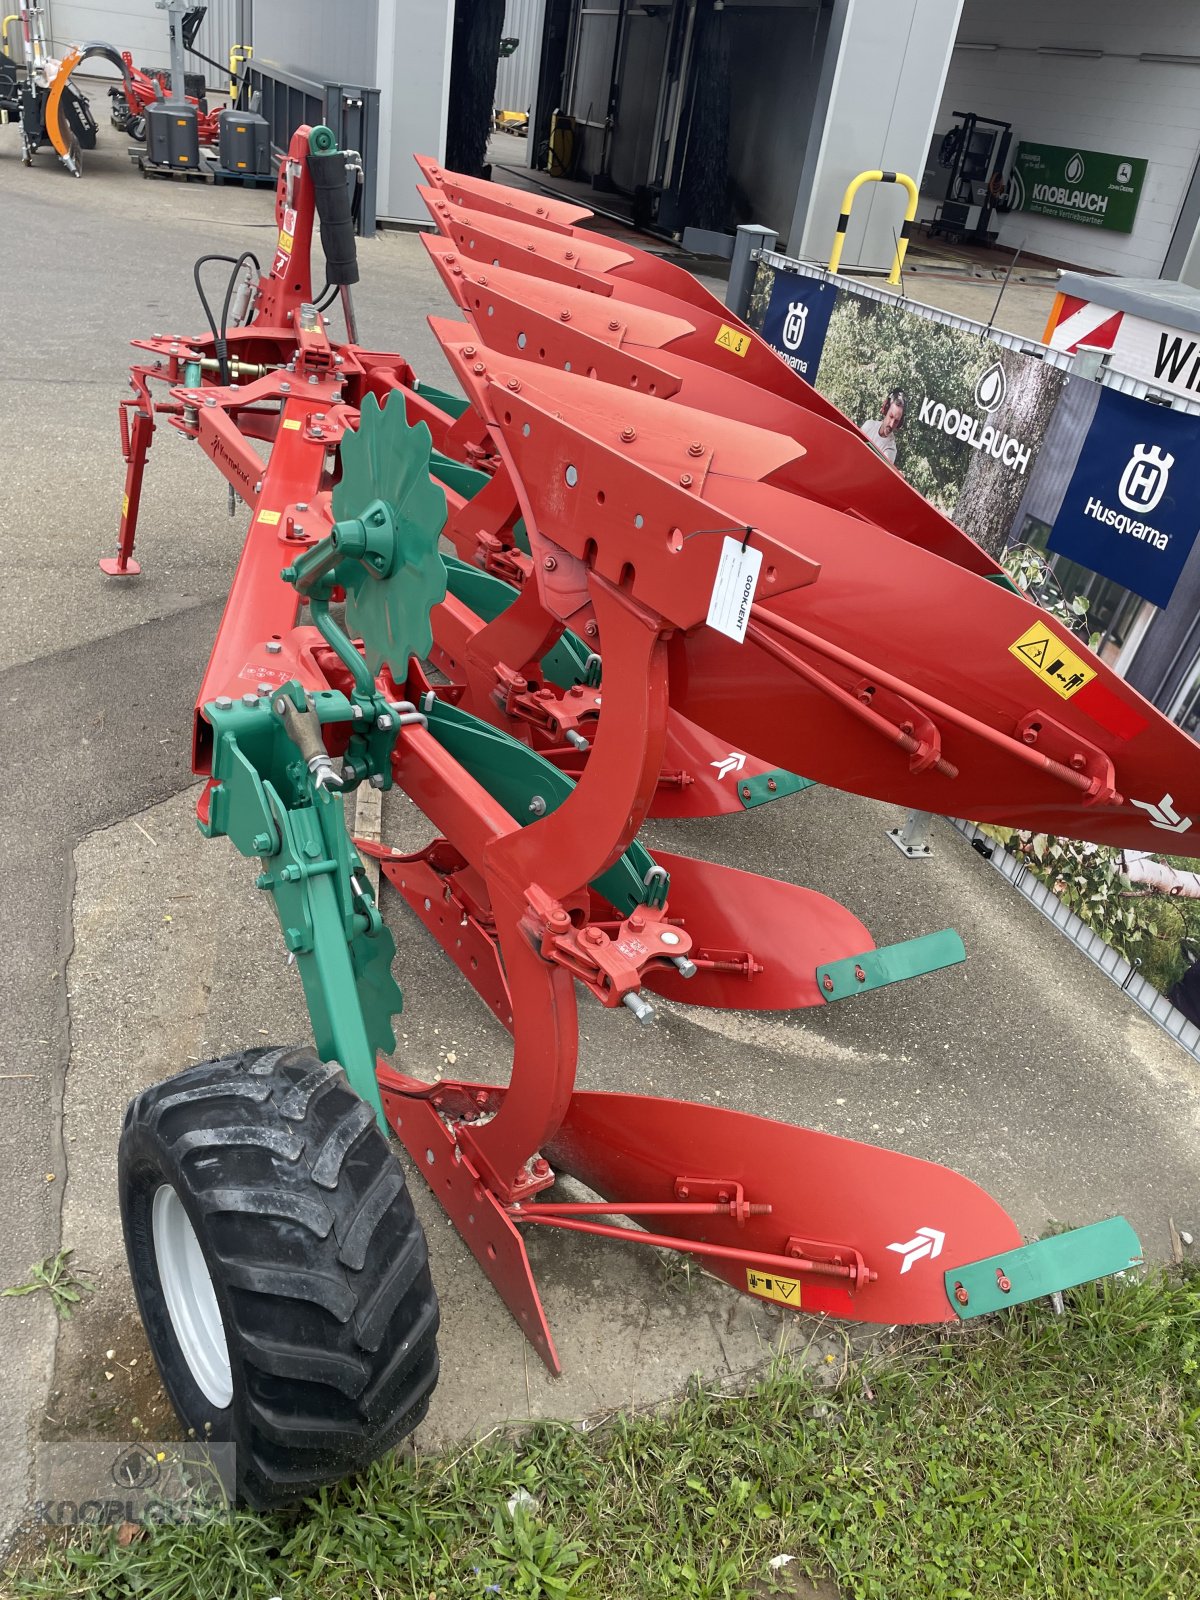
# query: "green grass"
1023, 1456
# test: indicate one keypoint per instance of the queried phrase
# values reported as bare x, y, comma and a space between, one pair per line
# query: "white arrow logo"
1164, 814
926, 1242
733, 762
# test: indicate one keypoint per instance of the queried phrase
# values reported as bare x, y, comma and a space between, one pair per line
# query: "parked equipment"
975, 152
670, 556
36, 91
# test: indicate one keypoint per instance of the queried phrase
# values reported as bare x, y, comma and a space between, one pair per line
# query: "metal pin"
643, 1012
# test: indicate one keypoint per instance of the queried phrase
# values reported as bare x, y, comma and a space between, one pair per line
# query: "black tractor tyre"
260, 1189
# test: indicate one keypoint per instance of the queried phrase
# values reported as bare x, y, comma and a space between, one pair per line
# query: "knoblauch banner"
962, 418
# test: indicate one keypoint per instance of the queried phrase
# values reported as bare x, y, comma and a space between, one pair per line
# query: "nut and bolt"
613, 325
1002, 1282
478, 367
549, 563
224, 703
514, 384
685, 480
695, 448
274, 647
264, 688
860, 975
628, 434
564, 315
961, 1295
537, 806
827, 983
384, 722
772, 785
249, 699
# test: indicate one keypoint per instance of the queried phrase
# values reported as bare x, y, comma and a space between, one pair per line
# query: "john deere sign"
1078, 185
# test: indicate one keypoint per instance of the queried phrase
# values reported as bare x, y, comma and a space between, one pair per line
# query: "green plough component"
268, 803
464, 480
388, 517
1045, 1267
892, 963
528, 786
452, 404
487, 596
768, 786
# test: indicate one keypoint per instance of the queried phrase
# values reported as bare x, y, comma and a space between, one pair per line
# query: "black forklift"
973, 155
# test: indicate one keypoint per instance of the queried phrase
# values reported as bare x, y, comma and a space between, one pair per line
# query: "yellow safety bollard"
238, 53
877, 175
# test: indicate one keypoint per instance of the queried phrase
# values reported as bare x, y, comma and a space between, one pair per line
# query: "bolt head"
549, 563
478, 366
274, 647
685, 479
384, 722
628, 435
224, 702
668, 937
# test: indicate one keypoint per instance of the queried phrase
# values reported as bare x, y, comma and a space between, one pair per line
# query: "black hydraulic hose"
220, 341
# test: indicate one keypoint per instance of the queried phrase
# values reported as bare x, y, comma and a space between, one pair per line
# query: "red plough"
650, 604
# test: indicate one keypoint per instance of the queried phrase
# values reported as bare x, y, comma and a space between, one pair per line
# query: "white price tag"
733, 589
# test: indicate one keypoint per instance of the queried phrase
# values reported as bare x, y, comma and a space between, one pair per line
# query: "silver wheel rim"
191, 1299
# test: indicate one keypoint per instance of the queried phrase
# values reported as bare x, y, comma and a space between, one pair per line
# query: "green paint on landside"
892, 963
768, 786
1045, 1267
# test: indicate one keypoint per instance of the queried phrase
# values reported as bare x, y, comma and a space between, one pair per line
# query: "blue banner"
1132, 508
797, 319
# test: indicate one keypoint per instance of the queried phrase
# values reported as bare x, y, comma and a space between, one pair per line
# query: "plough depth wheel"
280, 1271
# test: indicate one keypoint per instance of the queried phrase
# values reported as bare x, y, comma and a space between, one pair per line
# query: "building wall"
875, 106
400, 47
328, 43
1117, 104
137, 26
517, 75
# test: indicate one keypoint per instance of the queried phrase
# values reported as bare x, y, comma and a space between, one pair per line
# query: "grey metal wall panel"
329, 43
517, 75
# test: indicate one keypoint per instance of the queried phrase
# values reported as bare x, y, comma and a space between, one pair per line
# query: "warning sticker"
732, 339
293, 423
733, 589
125, 506
268, 516
1043, 652
286, 241
770, 1287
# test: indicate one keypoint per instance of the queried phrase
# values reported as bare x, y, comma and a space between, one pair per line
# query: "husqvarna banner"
796, 318
1132, 507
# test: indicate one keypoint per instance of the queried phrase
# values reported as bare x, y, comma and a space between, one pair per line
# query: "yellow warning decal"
268, 516
286, 241
771, 1287
293, 423
732, 339
125, 506
1043, 652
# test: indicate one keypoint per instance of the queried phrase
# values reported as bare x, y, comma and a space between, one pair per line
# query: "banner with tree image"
961, 417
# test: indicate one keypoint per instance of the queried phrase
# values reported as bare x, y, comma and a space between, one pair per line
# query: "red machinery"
139, 91
645, 591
